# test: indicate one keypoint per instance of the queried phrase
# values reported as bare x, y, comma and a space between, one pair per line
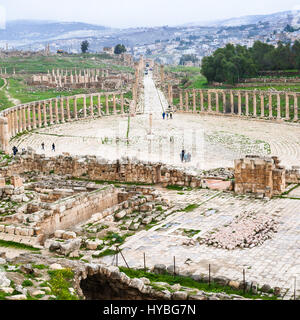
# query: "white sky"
133, 13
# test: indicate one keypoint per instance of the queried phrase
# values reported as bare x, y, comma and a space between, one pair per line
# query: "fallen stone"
55, 266
17, 297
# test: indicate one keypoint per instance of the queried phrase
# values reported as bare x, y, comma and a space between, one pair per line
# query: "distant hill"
32, 30
287, 17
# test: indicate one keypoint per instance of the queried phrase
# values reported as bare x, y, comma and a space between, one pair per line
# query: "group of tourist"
53, 146
168, 113
185, 157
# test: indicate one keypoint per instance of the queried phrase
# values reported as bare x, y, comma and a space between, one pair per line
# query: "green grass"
190, 283
117, 183
190, 207
60, 282
27, 283
33, 65
178, 188
16, 245
40, 266
107, 252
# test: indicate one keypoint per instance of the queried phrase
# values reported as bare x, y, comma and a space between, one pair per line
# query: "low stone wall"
95, 168
63, 213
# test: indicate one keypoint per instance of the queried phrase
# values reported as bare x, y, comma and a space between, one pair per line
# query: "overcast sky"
133, 13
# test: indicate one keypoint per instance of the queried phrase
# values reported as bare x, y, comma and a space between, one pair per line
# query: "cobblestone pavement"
276, 262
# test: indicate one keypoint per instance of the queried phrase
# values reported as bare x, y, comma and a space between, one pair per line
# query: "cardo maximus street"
213, 141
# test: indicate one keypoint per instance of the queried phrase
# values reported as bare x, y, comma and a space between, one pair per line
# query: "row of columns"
35, 115
85, 72
258, 100
60, 81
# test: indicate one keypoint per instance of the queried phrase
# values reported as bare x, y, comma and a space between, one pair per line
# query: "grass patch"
190, 283
116, 183
60, 283
190, 207
27, 283
179, 188
107, 252
16, 245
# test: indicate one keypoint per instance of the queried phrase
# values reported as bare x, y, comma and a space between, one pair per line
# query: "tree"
84, 46
119, 48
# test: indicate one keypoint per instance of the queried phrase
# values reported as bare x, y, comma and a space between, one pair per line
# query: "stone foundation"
258, 175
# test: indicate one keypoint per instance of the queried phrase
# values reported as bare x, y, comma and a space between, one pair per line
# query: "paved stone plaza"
275, 262
213, 141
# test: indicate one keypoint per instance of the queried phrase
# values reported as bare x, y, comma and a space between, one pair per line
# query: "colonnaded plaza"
101, 193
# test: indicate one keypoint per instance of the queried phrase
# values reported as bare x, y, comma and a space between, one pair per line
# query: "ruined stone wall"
73, 211
260, 176
94, 168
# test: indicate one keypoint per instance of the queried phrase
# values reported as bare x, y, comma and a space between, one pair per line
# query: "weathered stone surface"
17, 297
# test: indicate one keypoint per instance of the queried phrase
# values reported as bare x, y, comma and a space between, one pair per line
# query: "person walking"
171, 115
53, 147
43, 146
185, 157
189, 157
15, 150
164, 114
182, 155
167, 115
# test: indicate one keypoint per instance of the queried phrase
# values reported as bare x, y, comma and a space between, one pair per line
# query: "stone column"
278, 107
16, 121
270, 106
217, 102
232, 102
28, 117
4, 135
239, 103
68, 109
9, 123
106, 104
56, 111
51, 112
34, 115
24, 119
45, 114
62, 110
39, 115
75, 108
295, 107
209, 101
287, 106
254, 105
99, 104
247, 104
122, 103
224, 101
194, 101
180, 100
20, 120
92, 105
201, 101
186, 101
84, 106
262, 106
